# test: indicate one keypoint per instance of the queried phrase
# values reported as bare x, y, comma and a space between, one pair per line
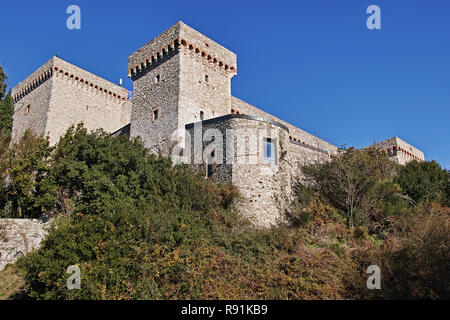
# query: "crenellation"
31, 82
181, 36
400, 151
60, 94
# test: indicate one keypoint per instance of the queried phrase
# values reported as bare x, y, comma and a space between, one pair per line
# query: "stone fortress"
181, 101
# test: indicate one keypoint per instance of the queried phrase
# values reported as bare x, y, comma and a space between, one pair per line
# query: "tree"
424, 181
347, 181
447, 188
3, 78
6, 106
25, 180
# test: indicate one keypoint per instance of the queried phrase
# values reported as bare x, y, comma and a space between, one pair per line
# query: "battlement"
60, 94
77, 76
33, 81
400, 151
171, 41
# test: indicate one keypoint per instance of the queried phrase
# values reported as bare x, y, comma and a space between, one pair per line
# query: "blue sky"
313, 63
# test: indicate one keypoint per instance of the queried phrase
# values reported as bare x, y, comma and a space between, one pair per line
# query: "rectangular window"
157, 78
269, 151
27, 109
206, 78
155, 114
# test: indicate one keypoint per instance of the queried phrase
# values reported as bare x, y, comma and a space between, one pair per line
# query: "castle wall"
163, 98
212, 96
181, 74
206, 72
265, 188
76, 99
34, 92
400, 151
296, 134
60, 94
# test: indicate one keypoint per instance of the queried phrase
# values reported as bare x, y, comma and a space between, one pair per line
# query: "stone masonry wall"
70, 95
18, 237
151, 95
79, 96
400, 151
34, 93
295, 133
180, 73
264, 188
204, 87
302, 147
206, 71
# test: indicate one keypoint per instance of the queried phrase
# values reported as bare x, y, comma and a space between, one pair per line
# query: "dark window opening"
211, 165
202, 115
155, 114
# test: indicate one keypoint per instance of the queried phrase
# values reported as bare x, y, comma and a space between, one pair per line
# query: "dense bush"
27, 190
425, 181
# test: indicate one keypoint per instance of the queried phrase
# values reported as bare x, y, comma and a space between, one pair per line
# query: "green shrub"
27, 188
424, 181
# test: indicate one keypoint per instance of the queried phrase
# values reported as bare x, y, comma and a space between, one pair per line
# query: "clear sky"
313, 63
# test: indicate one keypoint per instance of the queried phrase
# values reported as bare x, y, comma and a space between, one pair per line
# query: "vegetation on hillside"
140, 228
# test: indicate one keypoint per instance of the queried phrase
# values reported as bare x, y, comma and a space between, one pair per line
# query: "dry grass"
11, 282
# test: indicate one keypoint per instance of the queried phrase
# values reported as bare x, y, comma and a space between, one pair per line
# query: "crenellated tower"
179, 77
60, 94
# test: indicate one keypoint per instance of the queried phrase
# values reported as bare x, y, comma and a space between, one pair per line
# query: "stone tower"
179, 77
60, 94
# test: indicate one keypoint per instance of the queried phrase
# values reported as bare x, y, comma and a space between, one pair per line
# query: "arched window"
202, 115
